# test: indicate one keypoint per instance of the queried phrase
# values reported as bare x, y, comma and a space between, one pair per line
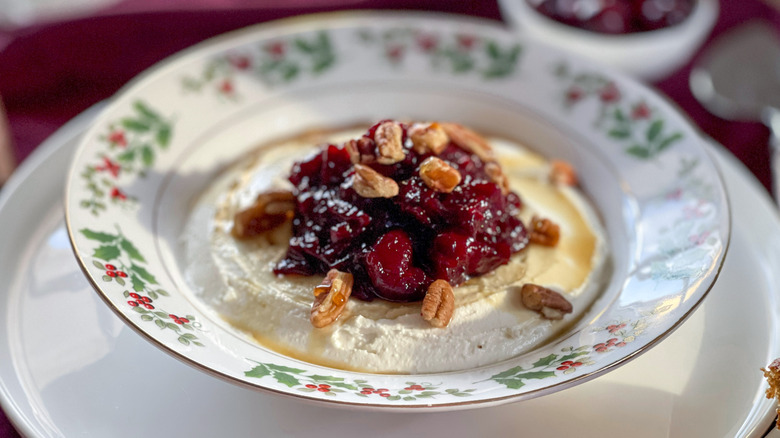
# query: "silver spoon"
7, 160
738, 78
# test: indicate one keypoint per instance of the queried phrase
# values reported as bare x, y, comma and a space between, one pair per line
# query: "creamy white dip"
490, 324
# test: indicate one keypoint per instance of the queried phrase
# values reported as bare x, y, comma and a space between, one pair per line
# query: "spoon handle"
7, 160
772, 121
774, 163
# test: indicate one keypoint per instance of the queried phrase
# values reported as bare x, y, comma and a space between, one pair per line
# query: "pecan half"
496, 175
438, 304
549, 303
562, 173
772, 376
470, 141
428, 138
269, 210
439, 175
389, 148
330, 298
360, 150
543, 231
369, 183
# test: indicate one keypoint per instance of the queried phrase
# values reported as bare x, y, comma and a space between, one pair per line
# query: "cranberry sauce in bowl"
649, 39
616, 16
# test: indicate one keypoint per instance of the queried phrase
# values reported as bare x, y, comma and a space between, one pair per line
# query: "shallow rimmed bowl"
168, 134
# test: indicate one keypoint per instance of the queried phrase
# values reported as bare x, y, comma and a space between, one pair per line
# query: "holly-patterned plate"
167, 135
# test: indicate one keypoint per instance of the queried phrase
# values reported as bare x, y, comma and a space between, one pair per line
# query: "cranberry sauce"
396, 247
616, 16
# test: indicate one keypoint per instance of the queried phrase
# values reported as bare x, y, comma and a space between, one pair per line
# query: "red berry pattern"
277, 62
459, 53
117, 138
139, 300
633, 124
622, 339
567, 364
132, 146
569, 360
113, 272
125, 261
613, 328
178, 320
427, 42
382, 392
276, 49
322, 387
109, 166
332, 386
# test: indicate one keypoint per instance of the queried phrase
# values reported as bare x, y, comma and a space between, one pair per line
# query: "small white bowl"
650, 56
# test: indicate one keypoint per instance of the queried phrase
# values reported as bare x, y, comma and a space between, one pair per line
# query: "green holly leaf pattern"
629, 123
259, 371
572, 355
147, 155
536, 375
164, 135
136, 125
543, 362
143, 273
286, 379
95, 235
284, 369
132, 144
654, 130
125, 258
138, 284
106, 252
344, 385
130, 249
146, 112
507, 373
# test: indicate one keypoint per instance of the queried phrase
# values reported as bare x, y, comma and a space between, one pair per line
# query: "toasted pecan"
563, 173
388, 136
330, 298
470, 141
428, 138
438, 306
269, 210
549, 303
439, 175
369, 183
497, 175
542, 231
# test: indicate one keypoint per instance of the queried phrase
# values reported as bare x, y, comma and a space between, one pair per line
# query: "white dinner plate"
70, 367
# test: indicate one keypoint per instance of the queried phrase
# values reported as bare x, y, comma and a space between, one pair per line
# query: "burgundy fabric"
51, 72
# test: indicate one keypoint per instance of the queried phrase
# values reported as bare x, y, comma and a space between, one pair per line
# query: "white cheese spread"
235, 278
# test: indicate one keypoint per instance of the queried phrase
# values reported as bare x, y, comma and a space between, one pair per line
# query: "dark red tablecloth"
51, 72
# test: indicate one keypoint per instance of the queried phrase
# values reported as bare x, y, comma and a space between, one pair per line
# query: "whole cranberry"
390, 266
614, 17
657, 14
